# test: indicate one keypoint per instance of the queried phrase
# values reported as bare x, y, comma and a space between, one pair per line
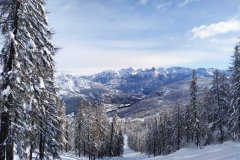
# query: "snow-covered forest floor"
227, 151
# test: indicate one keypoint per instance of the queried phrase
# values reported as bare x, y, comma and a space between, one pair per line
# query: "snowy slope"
226, 151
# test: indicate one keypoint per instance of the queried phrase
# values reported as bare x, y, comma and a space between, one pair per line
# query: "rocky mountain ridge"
132, 88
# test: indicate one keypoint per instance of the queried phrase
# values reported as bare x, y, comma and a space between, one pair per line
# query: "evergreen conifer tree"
234, 120
28, 91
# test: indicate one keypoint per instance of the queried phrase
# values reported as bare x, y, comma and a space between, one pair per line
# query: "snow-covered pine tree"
69, 132
61, 125
113, 133
234, 120
178, 126
102, 128
13, 81
149, 148
155, 136
85, 130
169, 134
220, 102
207, 116
27, 78
194, 119
188, 124
79, 128
120, 143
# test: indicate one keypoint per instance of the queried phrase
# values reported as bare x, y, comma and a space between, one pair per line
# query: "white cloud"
143, 2
186, 2
212, 30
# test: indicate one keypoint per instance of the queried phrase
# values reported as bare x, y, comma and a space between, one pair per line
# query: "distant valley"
133, 93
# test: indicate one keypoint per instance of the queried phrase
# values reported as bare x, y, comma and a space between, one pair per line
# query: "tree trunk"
31, 151
41, 145
6, 143
111, 140
84, 149
9, 153
178, 128
4, 134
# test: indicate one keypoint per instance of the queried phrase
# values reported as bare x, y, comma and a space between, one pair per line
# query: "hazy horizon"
116, 70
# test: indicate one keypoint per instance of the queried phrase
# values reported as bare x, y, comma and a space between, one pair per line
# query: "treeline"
91, 133
213, 117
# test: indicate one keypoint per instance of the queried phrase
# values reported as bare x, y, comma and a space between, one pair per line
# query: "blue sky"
98, 35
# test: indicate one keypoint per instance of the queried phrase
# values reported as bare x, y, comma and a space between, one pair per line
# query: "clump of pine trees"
213, 117
91, 133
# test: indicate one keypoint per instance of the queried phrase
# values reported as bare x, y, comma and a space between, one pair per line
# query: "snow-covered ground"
227, 151
127, 155
72, 157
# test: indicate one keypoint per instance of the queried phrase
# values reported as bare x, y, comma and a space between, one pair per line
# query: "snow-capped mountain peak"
127, 72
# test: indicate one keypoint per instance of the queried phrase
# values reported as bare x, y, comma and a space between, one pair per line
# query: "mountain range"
133, 92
